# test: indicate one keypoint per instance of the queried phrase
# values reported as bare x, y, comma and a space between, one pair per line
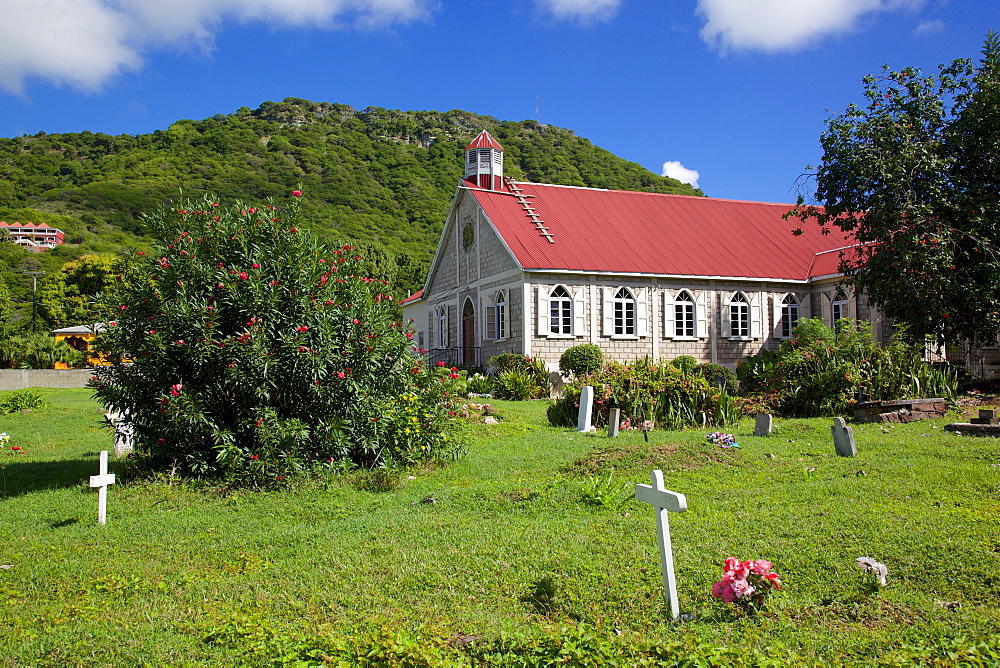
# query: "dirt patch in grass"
669, 456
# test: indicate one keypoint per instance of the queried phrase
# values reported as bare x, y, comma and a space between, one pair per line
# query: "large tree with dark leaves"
915, 177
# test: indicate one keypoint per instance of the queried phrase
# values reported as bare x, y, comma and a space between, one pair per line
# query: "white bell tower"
484, 162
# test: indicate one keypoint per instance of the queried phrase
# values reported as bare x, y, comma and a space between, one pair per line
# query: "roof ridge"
700, 198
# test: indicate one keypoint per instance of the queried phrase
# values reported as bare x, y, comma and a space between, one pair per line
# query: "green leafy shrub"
685, 363
515, 385
246, 348
606, 493
514, 362
37, 351
20, 400
818, 371
713, 372
580, 360
646, 390
479, 383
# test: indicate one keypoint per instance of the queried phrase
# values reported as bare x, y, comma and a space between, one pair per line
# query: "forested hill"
373, 175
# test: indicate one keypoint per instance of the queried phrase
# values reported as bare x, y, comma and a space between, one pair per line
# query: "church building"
536, 268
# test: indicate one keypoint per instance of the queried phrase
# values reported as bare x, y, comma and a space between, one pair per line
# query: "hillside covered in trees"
382, 179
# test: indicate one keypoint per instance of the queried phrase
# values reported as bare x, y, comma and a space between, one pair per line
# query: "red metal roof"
828, 262
416, 296
484, 140
631, 232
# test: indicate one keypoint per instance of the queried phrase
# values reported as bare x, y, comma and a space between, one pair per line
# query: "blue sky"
735, 90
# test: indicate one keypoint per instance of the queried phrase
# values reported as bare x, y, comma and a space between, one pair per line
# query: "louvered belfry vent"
484, 162
530, 210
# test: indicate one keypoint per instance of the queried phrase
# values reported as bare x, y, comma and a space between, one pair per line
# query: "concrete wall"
19, 379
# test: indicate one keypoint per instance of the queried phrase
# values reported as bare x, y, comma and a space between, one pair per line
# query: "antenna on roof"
537, 115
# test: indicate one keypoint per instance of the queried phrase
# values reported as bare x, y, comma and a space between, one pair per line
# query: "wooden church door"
469, 334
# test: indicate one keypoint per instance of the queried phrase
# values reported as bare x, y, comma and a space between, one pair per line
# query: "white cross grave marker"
102, 481
664, 501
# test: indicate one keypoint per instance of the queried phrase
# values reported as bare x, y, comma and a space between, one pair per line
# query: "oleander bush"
247, 349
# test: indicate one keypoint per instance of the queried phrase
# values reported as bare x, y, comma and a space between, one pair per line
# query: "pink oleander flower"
296, 193
175, 390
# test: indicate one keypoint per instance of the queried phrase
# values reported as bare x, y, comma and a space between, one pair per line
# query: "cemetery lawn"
519, 553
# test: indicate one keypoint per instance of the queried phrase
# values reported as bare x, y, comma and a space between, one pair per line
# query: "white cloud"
675, 170
83, 43
784, 25
581, 10
929, 27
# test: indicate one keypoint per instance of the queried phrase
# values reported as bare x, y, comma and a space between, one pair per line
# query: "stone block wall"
19, 379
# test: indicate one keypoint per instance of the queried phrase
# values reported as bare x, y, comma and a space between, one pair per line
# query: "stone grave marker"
586, 409
986, 416
764, 424
843, 438
101, 481
663, 502
614, 422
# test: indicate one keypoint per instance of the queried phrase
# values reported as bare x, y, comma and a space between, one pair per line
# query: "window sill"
624, 337
560, 336
684, 338
743, 338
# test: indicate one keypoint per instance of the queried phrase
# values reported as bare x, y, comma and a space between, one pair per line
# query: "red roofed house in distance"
34, 238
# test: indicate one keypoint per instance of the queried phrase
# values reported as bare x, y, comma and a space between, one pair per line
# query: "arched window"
496, 317
560, 311
739, 315
839, 306
624, 313
789, 315
684, 314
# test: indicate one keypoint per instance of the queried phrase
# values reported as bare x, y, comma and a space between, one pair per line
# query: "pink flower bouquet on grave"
746, 583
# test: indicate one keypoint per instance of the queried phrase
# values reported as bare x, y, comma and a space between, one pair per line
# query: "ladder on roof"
530, 210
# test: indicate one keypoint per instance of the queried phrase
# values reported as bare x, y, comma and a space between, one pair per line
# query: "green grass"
499, 557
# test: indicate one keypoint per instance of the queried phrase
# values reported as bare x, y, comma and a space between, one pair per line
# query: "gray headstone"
843, 438
614, 422
586, 409
764, 425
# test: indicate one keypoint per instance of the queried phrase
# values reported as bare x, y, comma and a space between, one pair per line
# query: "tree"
247, 349
914, 177
66, 297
